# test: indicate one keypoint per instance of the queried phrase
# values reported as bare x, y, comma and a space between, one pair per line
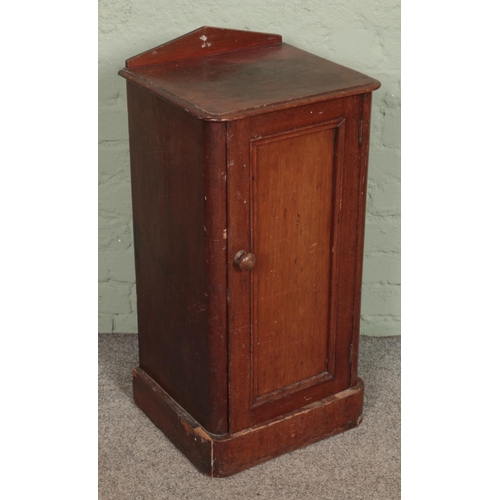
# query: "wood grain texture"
291, 397
178, 240
319, 420
249, 82
224, 455
290, 341
291, 204
238, 196
202, 42
215, 227
243, 146
345, 288
179, 426
349, 248
366, 102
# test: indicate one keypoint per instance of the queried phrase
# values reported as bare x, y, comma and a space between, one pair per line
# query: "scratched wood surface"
289, 341
240, 142
180, 268
202, 42
223, 455
257, 75
291, 209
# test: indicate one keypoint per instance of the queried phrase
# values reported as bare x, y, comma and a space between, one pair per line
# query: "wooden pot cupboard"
248, 166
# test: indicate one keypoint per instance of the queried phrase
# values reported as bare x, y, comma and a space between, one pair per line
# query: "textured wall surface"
364, 35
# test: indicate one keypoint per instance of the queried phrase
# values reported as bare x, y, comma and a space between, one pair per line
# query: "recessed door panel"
291, 206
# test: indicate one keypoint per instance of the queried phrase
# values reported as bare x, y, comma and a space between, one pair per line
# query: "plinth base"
223, 455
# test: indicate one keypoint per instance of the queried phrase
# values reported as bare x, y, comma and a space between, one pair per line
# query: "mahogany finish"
173, 256
291, 223
244, 81
249, 165
203, 42
223, 455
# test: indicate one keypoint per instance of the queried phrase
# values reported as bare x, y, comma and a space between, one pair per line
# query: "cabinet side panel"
167, 172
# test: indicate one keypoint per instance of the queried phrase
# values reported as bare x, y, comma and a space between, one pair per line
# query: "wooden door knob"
245, 260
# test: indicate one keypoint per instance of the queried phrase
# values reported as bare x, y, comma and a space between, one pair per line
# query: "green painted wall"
364, 35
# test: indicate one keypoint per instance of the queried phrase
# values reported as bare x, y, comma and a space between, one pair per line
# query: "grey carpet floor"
136, 461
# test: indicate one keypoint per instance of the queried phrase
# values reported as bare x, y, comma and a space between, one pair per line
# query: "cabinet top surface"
240, 74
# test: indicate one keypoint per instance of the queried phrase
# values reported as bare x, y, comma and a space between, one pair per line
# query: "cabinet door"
293, 195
